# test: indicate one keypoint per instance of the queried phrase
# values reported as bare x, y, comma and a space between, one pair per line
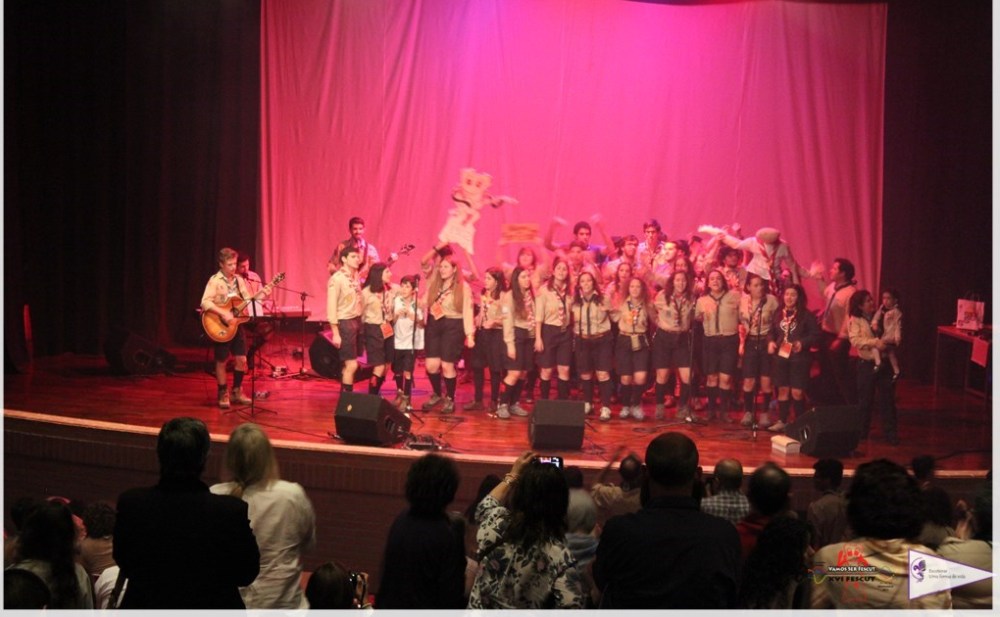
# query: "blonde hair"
250, 458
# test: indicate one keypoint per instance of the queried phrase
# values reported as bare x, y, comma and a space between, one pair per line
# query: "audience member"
669, 554
179, 545
581, 539
524, 560
424, 562
18, 512
46, 548
727, 502
97, 546
612, 500
923, 470
883, 508
574, 476
938, 514
769, 495
281, 517
774, 576
24, 590
828, 514
333, 587
109, 588
976, 552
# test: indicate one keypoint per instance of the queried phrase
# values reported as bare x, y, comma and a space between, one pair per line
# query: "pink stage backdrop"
763, 112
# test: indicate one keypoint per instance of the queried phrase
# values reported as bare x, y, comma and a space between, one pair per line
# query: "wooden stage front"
72, 428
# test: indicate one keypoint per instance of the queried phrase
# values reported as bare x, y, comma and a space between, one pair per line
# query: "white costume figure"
469, 196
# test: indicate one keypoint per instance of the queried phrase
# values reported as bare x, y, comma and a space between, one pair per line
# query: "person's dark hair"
831, 470
725, 251
485, 487
99, 519
497, 275
431, 484
574, 476
49, 535
630, 469
23, 589
518, 295
413, 280
597, 297
856, 303
768, 489
21, 508
374, 281
581, 225
672, 459
182, 448
884, 501
982, 509
655, 224
802, 303
243, 256
923, 467
846, 267
538, 506
892, 291
329, 587
684, 247
776, 562
347, 250
355, 220
937, 506
729, 473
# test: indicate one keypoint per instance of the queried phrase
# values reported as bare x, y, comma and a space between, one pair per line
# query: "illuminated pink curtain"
762, 112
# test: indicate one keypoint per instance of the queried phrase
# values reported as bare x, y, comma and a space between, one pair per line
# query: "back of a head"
768, 489
574, 476
937, 506
630, 469
431, 484
884, 501
539, 501
329, 588
99, 519
485, 487
923, 467
729, 473
672, 460
48, 534
829, 469
581, 514
182, 448
24, 590
250, 457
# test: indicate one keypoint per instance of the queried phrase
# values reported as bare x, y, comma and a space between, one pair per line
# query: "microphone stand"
253, 378
302, 374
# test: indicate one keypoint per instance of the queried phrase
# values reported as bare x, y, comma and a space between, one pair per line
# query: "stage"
73, 428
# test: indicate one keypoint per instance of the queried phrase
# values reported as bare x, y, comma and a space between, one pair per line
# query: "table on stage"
948, 338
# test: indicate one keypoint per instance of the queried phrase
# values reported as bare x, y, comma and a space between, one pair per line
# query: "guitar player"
223, 286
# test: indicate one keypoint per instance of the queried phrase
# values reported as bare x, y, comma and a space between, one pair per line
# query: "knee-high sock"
605, 388
544, 388
661, 392
637, 390
408, 386
724, 397
562, 389
748, 401
625, 395
783, 410
767, 400
435, 379
400, 381
713, 398
587, 389
507, 393
237, 379
449, 386
495, 378
529, 384
518, 388
478, 382
685, 394
346, 387
375, 384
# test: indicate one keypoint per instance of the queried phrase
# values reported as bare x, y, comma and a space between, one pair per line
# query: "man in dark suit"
179, 545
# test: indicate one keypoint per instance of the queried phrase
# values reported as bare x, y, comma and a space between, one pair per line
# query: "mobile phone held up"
555, 461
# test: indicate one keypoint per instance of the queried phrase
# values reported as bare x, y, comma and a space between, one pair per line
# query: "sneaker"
747, 419
503, 412
449, 405
587, 408
777, 427
659, 411
404, 403
684, 413
517, 410
473, 406
697, 404
764, 419
396, 402
625, 412
432, 402
240, 398
637, 412
605, 414
224, 400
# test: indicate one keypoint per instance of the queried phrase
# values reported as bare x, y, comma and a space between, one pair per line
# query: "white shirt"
405, 338
284, 524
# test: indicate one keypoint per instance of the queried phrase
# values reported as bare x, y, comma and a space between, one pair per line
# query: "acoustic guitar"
220, 332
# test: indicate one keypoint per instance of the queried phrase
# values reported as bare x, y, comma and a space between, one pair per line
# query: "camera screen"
550, 460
